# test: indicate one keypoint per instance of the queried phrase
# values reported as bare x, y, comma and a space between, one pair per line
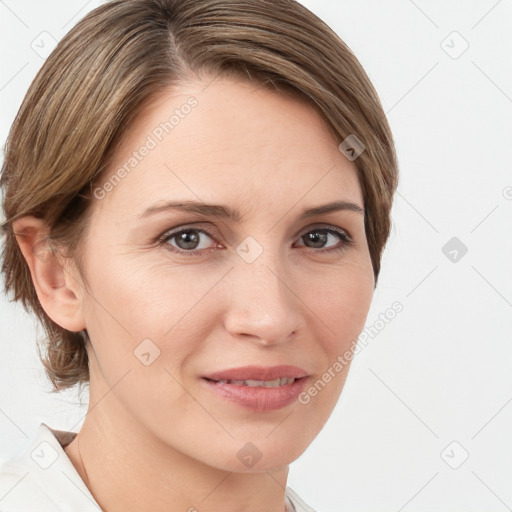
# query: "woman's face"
265, 287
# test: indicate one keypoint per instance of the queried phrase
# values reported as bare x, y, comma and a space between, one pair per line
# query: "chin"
260, 454
262, 461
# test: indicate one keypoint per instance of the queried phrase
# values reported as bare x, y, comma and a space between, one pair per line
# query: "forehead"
225, 140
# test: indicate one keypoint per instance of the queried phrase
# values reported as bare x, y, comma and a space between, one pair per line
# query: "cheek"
140, 313
141, 298
341, 299
340, 304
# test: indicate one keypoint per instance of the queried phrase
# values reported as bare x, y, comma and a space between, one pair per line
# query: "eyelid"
202, 228
327, 226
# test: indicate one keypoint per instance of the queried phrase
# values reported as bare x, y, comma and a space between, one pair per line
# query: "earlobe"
59, 291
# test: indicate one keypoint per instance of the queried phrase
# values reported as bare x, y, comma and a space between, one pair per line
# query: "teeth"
283, 381
255, 383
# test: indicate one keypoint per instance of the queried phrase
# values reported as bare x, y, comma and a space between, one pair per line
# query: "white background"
441, 371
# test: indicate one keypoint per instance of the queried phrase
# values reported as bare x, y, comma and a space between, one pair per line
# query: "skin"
167, 442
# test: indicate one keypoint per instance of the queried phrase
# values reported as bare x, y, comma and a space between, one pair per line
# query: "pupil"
318, 239
190, 239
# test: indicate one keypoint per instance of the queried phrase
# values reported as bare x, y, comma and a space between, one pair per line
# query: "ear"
58, 285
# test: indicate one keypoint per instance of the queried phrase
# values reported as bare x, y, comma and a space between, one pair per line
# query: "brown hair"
102, 73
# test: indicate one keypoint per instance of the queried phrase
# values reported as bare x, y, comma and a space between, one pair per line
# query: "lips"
261, 389
258, 373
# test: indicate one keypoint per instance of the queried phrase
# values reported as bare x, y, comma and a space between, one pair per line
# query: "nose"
262, 306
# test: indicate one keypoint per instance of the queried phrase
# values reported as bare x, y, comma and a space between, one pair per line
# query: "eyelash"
167, 236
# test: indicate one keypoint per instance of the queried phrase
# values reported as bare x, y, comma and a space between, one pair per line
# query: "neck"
126, 468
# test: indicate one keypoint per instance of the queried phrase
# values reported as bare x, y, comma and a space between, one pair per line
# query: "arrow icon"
454, 249
249, 249
44, 455
146, 352
249, 454
351, 147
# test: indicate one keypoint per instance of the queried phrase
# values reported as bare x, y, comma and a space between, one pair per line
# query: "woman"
197, 197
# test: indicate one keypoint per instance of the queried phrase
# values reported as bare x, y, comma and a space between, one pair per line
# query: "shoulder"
41, 477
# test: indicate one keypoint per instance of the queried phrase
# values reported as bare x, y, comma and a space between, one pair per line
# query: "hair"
120, 56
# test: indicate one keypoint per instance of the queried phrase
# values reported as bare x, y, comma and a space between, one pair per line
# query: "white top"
43, 478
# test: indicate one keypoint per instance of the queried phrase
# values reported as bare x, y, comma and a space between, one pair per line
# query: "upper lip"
259, 373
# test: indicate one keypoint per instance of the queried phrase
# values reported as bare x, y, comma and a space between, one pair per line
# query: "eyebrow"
225, 212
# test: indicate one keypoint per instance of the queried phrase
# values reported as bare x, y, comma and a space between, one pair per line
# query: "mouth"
283, 381
258, 388
258, 374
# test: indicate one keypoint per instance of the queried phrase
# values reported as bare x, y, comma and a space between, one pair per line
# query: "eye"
188, 241
317, 238
194, 241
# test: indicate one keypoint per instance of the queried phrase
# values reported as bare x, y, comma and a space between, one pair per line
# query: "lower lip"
259, 399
